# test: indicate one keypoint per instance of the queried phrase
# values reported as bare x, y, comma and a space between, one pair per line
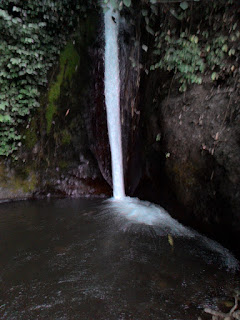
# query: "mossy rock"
30, 135
20, 183
68, 64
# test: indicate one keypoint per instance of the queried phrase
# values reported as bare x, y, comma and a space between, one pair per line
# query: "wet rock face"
16, 183
130, 75
96, 117
78, 181
201, 135
195, 140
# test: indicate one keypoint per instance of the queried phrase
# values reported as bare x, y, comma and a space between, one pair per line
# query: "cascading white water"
132, 209
112, 99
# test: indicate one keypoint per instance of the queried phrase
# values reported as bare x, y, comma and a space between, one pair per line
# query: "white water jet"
112, 99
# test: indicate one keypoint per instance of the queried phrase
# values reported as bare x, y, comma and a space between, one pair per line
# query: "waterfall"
112, 99
132, 209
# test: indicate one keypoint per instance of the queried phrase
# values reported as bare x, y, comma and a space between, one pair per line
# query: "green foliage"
182, 56
184, 5
66, 137
216, 50
202, 42
31, 36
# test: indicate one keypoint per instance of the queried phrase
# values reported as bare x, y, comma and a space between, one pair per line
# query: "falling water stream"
112, 98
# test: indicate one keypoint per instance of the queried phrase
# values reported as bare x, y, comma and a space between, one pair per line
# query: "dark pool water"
69, 259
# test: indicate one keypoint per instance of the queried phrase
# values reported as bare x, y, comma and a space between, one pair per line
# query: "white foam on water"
112, 99
144, 212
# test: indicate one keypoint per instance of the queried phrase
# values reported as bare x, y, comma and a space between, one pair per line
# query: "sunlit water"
81, 259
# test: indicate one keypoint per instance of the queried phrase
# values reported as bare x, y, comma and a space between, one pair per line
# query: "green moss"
66, 137
26, 185
18, 182
63, 164
50, 112
31, 135
69, 60
3, 177
32, 182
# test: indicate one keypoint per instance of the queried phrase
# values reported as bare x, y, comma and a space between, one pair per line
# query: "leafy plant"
200, 43
31, 36
182, 56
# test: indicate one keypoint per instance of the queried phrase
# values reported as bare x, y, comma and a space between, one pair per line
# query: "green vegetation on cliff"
69, 59
31, 36
197, 39
17, 183
188, 39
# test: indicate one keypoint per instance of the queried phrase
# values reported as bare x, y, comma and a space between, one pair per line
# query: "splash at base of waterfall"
135, 212
144, 212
